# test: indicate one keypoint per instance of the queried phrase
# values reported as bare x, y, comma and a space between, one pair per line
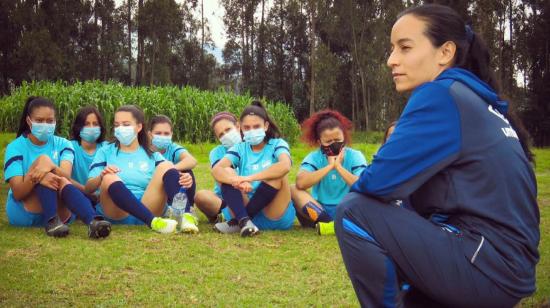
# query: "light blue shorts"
128, 220
19, 216
263, 223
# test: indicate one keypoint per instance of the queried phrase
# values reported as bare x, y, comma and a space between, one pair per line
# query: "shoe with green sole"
325, 228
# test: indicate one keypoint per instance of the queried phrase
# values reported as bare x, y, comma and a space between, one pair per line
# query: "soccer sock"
170, 181
75, 201
48, 200
190, 192
222, 206
315, 213
264, 194
125, 200
234, 200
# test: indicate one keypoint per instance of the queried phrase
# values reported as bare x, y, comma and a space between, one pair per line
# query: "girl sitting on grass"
226, 129
161, 141
87, 137
37, 167
135, 183
329, 171
253, 177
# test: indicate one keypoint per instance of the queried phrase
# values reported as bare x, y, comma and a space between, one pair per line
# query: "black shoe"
56, 228
99, 228
248, 228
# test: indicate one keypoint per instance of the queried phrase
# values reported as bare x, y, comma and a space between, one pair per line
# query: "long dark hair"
80, 121
443, 24
142, 137
256, 108
32, 103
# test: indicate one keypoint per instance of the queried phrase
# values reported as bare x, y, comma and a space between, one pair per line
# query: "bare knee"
201, 197
164, 166
63, 182
275, 183
107, 180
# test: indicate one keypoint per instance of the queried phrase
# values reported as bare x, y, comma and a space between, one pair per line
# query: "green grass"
138, 267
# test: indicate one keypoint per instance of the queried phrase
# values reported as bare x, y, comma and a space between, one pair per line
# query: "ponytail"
444, 25
257, 108
32, 103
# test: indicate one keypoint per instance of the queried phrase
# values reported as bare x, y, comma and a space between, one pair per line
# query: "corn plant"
189, 108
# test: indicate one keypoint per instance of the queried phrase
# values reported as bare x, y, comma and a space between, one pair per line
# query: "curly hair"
322, 120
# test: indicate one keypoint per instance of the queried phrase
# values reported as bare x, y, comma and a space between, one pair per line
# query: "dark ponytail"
143, 137
256, 108
32, 103
443, 24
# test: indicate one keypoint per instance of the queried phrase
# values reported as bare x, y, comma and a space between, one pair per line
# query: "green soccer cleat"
163, 225
189, 223
325, 228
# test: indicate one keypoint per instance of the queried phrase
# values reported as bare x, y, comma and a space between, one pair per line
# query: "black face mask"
332, 149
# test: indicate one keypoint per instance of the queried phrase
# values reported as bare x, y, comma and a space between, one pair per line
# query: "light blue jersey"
332, 188
20, 154
83, 161
215, 156
173, 152
249, 162
136, 168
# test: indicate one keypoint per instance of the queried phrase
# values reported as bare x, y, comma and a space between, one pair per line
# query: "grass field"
138, 267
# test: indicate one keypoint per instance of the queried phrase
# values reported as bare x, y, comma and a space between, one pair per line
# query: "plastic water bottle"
178, 207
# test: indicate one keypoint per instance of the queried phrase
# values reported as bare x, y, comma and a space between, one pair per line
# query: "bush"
189, 108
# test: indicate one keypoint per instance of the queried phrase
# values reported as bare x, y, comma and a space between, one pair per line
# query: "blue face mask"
231, 138
254, 136
125, 134
90, 134
42, 131
161, 142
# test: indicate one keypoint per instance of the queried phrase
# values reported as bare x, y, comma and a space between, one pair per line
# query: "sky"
214, 12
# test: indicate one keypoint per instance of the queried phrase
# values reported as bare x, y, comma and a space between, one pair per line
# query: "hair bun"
257, 103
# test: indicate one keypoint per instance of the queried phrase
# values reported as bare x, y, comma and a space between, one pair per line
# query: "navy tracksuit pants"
386, 247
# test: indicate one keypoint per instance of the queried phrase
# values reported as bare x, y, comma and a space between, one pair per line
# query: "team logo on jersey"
255, 167
143, 166
507, 131
131, 165
54, 155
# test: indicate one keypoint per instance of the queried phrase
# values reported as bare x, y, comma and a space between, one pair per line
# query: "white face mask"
231, 138
254, 136
125, 134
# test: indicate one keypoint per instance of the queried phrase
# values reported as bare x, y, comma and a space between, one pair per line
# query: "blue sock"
126, 201
234, 200
170, 181
316, 213
190, 192
78, 203
264, 194
48, 200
